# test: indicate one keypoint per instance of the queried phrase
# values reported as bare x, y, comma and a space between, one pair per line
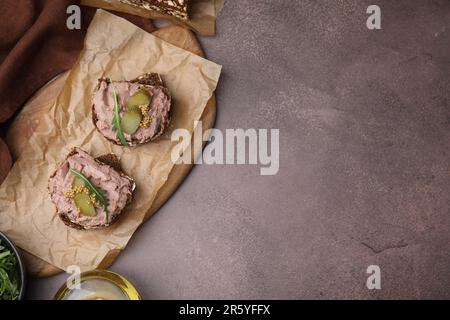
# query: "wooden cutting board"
27, 120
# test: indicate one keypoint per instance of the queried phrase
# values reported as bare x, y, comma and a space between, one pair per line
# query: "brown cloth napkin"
35, 46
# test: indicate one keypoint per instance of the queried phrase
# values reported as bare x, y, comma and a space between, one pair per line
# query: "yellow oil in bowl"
99, 285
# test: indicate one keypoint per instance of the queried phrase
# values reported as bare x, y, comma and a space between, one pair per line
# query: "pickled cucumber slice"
77, 182
135, 109
84, 205
130, 121
141, 97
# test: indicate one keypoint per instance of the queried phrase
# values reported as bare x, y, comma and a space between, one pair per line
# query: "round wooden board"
27, 120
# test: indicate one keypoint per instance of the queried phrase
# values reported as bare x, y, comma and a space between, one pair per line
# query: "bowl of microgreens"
12, 271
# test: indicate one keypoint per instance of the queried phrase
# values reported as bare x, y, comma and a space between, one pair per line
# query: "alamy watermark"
374, 280
74, 280
233, 146
73, 21
374, 20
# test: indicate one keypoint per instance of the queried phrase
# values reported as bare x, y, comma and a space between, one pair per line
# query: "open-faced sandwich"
89, 192
131, 112
176, 8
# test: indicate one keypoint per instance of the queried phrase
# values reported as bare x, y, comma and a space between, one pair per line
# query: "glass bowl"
99, 285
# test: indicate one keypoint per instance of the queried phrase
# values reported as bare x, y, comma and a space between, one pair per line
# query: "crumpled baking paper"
117, 49
202, 13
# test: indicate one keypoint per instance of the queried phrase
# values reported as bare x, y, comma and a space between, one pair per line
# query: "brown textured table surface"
364, 119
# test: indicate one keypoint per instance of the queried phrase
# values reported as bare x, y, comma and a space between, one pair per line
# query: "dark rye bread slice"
148, 79
110, 160
175, 8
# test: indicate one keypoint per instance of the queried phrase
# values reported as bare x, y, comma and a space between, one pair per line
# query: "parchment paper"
202, 20
120, 50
